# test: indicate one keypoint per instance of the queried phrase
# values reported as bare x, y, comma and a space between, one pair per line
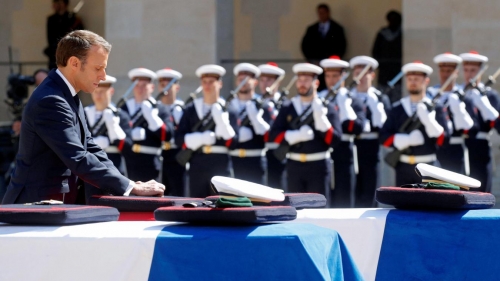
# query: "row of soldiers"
149, 137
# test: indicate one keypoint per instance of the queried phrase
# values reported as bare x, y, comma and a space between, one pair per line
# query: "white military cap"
248, 189
271, 68
307, 68
109, 80
210, 70
431, 173
333, 62
473, 56
363, 60
168, 73
246, 67
447, 58
417, 66
141, 72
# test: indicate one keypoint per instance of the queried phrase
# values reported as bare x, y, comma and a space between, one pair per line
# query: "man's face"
332, 77
416, 82
248, 88
323, 15
39, 77
102, 94
163, 82
210, 85
93, 71
445, 71
144, 88
266, 81
367, 79
470, 71
304, 83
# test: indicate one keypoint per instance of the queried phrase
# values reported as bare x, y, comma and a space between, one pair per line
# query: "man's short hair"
66, 2
323, 6
77, 43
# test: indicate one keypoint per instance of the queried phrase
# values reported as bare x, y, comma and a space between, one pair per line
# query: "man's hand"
150, 188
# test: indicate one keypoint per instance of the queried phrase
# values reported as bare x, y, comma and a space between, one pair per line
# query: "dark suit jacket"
56, 148
317, 47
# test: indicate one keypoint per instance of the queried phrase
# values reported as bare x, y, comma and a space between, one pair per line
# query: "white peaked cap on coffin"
248, 189
430, 173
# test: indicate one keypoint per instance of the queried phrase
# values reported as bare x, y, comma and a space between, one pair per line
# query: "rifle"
207, 123
307, 117
192, 96
103, 129
285, 91
139, 118
413, 123
492, 79
472, 84
357, 79
268, 92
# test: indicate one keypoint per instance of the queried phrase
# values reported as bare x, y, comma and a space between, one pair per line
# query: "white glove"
305, 133
138, 134
414, 138
483, 104
345, 109
461, 119
151, 116
115, 132
244, 134
223, 128
377, 110
428, 119
196, 140
321, 123
259, 125
102, 142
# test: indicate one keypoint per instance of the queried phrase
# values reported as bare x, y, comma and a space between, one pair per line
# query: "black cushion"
139, 203
56, 214
296, 200
419, 198
241, 215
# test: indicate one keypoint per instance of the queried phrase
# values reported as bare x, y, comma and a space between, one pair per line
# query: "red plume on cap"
335, 57
473, 52
417, 61
272, 63
447, 53
168, 68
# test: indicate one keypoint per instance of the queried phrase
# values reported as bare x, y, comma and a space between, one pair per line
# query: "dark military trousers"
275, 169
480, 163
367, 178
172, 173
202, 167
313, 176
451, 157
344, 175
248, 169
143, 167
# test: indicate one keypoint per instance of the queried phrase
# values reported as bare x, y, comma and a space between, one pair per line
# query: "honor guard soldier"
253, 117
210, 157
484, 113
150, 124
419, 145
270, 73
375, 106
451, 157
308, 165
172, 173
109, 127
352, 119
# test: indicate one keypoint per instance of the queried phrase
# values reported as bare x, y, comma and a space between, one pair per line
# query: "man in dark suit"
56, 149
323, 39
